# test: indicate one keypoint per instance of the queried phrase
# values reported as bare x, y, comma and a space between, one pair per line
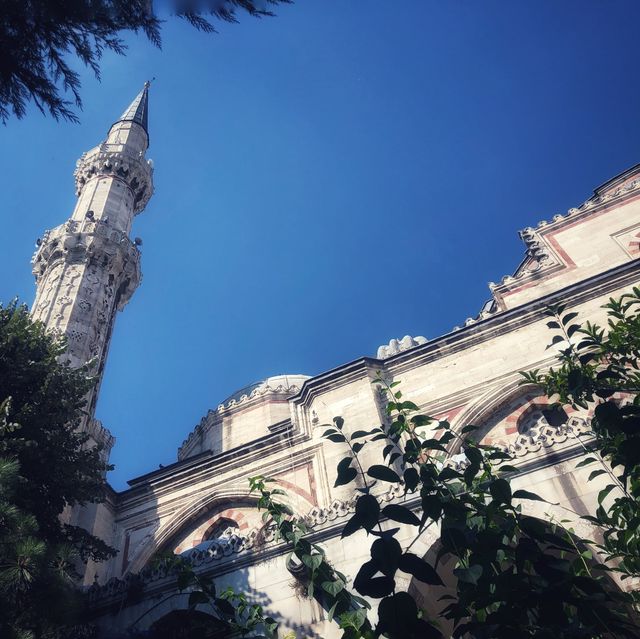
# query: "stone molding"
131, 168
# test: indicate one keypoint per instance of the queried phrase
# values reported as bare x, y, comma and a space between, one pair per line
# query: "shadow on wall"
167, 615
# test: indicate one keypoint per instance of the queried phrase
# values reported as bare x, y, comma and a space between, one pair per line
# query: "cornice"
171, 476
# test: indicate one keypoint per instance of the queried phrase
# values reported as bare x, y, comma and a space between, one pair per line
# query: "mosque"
88, 268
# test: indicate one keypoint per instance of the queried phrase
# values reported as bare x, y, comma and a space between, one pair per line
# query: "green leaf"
398, 615
525, 494
337, 438
411, 479
453, 540
360, 433
469, 575
401, 514
185, 579
377, 587
585, 462
421, 420
385, 553
431, 507
353, 619
339, 422
355, 523
473, 455
383, 473
368, 510
346, 473
449, 473
507, 468
332, 587
500, 491
557, 339
312, 561
602, 495
596, 473
407, 405
420, 569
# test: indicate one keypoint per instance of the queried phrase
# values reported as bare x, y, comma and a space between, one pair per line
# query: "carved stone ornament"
131, 168
91, 243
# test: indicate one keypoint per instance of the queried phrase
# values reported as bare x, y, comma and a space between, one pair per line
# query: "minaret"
88, 268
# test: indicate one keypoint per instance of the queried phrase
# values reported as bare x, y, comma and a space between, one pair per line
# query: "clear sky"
326, 180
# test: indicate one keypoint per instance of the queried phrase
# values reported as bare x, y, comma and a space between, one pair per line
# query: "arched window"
533, 422
222, 529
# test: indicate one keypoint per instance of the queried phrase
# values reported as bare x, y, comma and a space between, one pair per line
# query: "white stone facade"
200, 505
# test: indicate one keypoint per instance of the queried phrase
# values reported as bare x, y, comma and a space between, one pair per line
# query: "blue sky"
326, 180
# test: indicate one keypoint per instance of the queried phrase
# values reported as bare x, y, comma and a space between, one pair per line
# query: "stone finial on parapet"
396, 346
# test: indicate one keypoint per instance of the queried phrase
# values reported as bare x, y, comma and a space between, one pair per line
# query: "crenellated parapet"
110, 160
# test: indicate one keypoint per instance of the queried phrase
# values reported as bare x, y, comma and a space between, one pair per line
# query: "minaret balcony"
119, 162
92, 243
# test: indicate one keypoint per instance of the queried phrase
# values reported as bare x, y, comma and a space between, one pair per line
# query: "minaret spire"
88, 268
138, 110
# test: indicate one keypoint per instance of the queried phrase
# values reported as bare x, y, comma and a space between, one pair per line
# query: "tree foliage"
37, 595
39, 40
515, 575
599, 370
45, 465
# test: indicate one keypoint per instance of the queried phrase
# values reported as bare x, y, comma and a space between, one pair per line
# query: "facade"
200, 507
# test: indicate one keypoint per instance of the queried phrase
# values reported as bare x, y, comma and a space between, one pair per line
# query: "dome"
289, 384
244, 416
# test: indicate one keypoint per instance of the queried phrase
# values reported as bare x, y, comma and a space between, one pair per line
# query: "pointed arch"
495, 398
189, 513
521, 396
